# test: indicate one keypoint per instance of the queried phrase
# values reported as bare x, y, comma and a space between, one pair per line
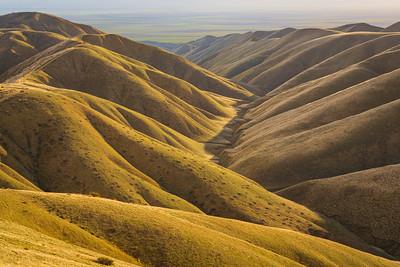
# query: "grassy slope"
282, 100
351, 56
172, 238
333, 110
310, 53
359, 200
135, 120
355, 121
104, 156
11, 179
273, 72
43, 251
187, 109
26, 212
251, 50
176, 66
171, 101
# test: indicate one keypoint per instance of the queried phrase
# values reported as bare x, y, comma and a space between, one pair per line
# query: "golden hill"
322, 137
41, 250
329, 107
89, 113
64, 143
193, 111
360, 201
155, 236
43, 22
173, 102
260, 60
273, 72
177, 66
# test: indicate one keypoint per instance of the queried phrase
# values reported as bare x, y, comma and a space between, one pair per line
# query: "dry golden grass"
62, 145
164, 237
176, 103
356, 122
22, 246
274, 71
333, 110
169, 64
11, 179
361, 201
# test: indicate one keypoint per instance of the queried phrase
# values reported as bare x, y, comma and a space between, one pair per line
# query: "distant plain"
183, 27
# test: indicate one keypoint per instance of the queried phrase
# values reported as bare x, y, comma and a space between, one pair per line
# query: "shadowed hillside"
359, 200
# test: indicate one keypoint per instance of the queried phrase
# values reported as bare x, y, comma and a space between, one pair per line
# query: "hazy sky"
204, 5
185, 20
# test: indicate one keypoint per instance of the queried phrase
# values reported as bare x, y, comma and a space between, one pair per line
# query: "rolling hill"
104, 156
328, 107
358, 200
162, 237
358, 27
260, 58
113, 148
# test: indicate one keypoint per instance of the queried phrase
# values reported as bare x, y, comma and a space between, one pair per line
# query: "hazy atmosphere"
206, 5
181, 21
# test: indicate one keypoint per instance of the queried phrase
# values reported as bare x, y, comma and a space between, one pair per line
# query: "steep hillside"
173, 102
274, 71
11, 179
375, 54
43, 22
172, 238
170, 64
259, 60
360, 201
327, 137
196, 112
